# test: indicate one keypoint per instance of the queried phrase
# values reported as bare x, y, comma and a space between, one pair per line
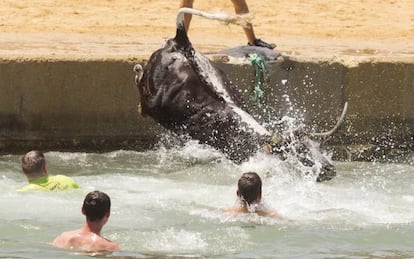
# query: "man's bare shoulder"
78, 240
65, 239
233, 210
269, 213
261, 212
106, 245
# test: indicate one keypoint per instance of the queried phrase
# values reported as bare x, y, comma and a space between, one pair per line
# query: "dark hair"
33, 162
96, 205
250, 187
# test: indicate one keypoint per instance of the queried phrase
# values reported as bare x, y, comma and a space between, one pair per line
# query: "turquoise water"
166, 203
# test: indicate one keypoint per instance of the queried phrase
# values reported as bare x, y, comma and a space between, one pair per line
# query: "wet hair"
249, 187
33, 162
96, 205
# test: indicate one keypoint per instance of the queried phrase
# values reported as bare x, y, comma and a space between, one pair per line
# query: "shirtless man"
250, 194
96, 207
240, 7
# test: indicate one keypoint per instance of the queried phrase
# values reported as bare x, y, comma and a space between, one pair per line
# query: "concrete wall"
70, 105
92, 104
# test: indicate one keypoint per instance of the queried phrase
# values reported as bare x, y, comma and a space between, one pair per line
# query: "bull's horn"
338, 123
139, 72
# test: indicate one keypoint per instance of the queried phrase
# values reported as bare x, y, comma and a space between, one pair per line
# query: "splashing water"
171, 206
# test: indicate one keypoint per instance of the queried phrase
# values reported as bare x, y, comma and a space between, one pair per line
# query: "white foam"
208, 72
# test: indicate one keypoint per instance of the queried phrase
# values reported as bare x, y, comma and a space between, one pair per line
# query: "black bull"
187, 94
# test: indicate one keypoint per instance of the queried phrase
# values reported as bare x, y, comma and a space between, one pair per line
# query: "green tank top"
50, 183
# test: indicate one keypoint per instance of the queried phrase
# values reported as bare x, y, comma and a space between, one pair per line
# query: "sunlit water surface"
166, 203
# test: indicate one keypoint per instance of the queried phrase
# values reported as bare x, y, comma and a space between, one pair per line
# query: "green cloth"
50, 183
261, 77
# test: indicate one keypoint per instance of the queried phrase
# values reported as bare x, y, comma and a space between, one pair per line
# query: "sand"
120, 29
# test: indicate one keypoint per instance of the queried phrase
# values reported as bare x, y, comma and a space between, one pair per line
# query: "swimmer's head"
96, 206
33, 163
250, 188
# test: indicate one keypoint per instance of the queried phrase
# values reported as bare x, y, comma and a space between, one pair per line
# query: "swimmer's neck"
245, 207
92, 227
34, 177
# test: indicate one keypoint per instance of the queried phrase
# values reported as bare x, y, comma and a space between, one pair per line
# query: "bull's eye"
174, 57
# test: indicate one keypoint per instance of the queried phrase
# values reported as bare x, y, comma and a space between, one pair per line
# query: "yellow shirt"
50, 183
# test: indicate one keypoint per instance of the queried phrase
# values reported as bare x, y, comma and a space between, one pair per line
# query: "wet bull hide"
187, 94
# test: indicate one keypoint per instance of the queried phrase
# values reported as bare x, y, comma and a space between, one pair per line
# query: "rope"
261, 77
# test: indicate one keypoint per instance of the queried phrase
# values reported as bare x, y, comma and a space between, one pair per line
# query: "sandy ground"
58, 29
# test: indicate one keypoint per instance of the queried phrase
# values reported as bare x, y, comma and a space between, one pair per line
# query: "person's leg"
240, 6
187, 17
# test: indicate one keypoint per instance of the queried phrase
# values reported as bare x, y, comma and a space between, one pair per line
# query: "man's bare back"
96, 208
234, 211
84, 241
